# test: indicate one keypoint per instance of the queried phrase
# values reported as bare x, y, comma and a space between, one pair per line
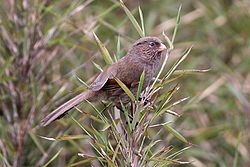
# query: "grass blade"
140, 85
189, 72
109, 10
104, 51
132, 19
175, 133
236, 154
167, 99
162, 68
116, 151
53, 158
118, 48
73, 137
170, 44
127, 118
175, 154
126, 89
81, 81
166, 109
103, 118
5, 66
178, 19
147, 150
136, 118
6, 163
38, 144
142, 21
178, 62
82, 127
97, 66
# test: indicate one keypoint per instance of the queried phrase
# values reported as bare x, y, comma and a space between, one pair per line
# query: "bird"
145, 55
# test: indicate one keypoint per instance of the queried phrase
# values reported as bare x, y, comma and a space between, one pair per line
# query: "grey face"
148, 48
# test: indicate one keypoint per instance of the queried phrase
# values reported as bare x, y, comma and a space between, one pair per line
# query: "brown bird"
145, 55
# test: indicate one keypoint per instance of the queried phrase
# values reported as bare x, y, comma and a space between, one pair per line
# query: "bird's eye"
151, 44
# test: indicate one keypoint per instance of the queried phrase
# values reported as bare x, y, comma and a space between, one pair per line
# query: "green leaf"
81, 127
81, 81
126, 89
73, 137
167, 99
189, 72
99, 136
166, 109
147, 150
118, 48
103, 118
170, 44
175, 154
236, 154
96, 149
142, 21
169, 161
5, 161
38, 144
109, 10
136, 118
175, 133
177, 63
161, 70
85, 161
116, 150
97, 66
53, 158
4, 67
132, 19
140, 85
171, 79
104, 51
127, 118
178, 19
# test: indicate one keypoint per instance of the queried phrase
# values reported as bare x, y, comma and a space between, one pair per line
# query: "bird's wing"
102, 79
106, 79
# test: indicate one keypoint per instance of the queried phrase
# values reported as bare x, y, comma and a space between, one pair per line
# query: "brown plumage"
145, 54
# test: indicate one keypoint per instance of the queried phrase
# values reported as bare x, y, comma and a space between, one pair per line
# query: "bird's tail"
65, 107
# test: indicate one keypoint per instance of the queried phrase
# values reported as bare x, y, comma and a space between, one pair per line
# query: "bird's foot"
145, 101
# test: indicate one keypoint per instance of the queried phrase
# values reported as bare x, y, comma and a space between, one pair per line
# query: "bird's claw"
144, 100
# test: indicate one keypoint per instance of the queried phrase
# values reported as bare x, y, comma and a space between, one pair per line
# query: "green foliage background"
46, 45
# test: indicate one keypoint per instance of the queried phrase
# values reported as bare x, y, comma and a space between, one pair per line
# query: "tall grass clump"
134, 137
30, 41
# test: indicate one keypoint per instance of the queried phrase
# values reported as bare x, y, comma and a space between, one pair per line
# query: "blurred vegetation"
45, 46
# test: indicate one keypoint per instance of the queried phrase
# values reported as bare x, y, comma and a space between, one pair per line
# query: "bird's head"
148, 48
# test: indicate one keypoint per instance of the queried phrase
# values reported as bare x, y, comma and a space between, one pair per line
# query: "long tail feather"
64, 108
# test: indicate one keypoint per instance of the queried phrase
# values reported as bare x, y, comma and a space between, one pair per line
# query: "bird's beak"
162, 47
